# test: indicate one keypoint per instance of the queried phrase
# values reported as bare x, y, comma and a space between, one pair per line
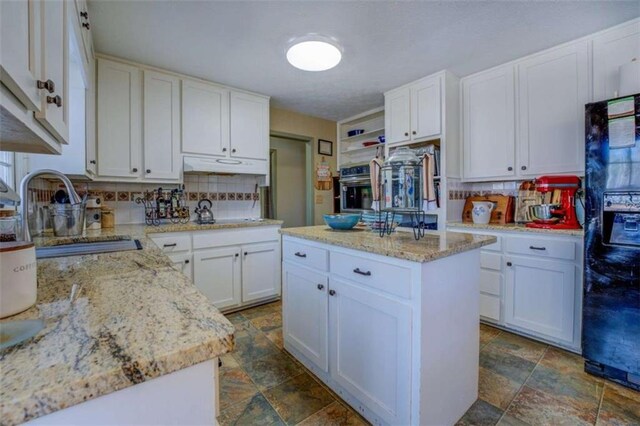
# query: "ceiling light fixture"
314, 53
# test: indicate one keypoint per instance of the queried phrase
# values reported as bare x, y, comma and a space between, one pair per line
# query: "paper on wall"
622, 132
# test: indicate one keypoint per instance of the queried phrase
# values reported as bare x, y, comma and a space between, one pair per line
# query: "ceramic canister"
18, 277
481, 212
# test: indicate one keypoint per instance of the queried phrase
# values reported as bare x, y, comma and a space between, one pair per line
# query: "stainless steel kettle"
205, 215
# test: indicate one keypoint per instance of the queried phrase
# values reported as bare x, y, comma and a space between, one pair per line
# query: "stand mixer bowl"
543, 211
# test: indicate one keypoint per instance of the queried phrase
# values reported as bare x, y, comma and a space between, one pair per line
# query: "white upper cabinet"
489, 124
397, 106
82, 16
161, 112
20, 44
54, 109
205, 119
425, 108
611, 49
249, 129
413, 112
90, 123
119, 119
553, 90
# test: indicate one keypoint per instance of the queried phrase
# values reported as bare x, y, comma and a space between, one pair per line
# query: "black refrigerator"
611, 304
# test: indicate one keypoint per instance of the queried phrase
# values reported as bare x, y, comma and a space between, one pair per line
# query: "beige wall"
293, 123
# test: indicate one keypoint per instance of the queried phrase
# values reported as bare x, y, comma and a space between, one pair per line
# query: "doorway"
289, 197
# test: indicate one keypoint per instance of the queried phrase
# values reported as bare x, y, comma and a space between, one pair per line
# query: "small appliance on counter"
204, 213
18, 283
560, 213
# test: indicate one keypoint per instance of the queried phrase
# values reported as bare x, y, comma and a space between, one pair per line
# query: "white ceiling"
386, 44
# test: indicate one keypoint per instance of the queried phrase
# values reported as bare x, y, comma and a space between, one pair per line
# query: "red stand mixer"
562, 215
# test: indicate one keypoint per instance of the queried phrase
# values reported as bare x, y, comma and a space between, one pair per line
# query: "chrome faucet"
24, 188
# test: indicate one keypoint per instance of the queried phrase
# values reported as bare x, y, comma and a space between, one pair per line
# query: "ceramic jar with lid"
18, 277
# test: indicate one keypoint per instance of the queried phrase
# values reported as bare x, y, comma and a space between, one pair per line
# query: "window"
7, 173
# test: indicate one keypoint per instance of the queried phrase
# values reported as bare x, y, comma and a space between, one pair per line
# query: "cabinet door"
249, 132
20, 45
54, 109
553, 89
183, 263
205, 119
119, 119
90, 120
260, 271
161, 111
610, 50
82, 14
305, 309
540, 297
489, 124
370, 349
216, 272
425, 108
397, 115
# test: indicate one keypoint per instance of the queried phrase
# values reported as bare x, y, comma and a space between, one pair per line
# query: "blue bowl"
342, 221
354, 132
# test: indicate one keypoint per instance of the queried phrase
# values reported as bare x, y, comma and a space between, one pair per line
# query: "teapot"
481, 213
205, 215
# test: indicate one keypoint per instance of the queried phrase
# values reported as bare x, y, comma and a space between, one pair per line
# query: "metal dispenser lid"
403, 156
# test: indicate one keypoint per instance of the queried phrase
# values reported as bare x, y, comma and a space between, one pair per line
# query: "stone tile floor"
522, 382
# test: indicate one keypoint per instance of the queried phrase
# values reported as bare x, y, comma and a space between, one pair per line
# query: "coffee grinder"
564, 214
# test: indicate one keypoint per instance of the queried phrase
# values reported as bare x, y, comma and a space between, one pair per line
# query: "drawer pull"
537, 248
300, 254
320, 286
170, 245
358, 271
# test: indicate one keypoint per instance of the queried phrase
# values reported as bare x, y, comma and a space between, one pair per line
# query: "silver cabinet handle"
537, 248
358, 271
57, 100
298, 254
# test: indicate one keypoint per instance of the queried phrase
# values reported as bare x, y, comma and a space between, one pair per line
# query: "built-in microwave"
355, 188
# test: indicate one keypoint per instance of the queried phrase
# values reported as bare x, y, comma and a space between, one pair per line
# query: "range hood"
225, 165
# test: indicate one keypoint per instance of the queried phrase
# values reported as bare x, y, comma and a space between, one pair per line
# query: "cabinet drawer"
491, 261
172, 243
387, 277
490, 307
303, 254
490, 282
542, 247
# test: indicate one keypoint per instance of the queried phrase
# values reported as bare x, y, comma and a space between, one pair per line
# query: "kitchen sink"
96, 247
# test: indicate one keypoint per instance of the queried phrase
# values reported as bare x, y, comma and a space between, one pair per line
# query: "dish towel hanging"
429, 201
374, 169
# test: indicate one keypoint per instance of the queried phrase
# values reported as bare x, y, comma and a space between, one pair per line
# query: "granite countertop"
135, 318
140, 230
515, 227
402, 245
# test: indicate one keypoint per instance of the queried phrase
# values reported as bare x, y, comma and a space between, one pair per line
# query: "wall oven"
355, 188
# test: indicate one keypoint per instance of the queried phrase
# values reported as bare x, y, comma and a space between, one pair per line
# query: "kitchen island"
139, 345
390, 324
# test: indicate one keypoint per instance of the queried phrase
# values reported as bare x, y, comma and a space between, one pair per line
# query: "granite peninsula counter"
135, 318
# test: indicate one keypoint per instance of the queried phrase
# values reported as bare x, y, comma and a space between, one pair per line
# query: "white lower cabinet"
260, 276
306, 319
371, 348
384, 333
540, 296
532, 285
216, 273
183, 262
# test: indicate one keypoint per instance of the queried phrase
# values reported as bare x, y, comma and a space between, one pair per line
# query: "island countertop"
401, 245
135, 318
515, 227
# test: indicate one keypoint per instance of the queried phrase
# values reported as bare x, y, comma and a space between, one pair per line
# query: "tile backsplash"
232, 196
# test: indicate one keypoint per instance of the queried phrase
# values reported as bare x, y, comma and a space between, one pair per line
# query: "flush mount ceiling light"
314, 53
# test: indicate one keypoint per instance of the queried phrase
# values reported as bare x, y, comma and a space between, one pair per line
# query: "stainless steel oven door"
355, 194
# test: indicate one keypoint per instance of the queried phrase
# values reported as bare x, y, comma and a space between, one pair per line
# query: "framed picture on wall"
325, 147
